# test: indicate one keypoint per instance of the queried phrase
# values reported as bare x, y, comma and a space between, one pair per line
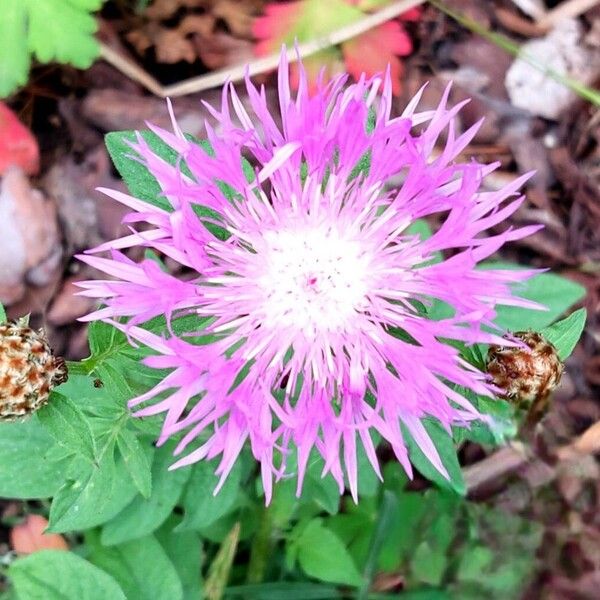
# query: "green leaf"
92, 495
136, 461
429, 565
322, 555
447, 452
556, 293
566, 333
202, 507
60, 575
290, 590
323, 490
185, 552
141, 517
141, 567
65, 422
14, 55
140, 182
61, 30
474, 563
32, 464
2, 314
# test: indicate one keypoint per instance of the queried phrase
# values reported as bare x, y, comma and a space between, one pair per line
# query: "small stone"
28, 371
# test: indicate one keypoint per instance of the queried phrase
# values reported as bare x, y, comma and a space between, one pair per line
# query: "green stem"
260, 550
382, 527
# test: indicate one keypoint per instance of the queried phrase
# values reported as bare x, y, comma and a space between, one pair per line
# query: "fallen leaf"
370, 52
377, 48
29, 536
18, 146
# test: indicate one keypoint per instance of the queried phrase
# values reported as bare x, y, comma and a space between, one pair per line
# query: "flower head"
310, 290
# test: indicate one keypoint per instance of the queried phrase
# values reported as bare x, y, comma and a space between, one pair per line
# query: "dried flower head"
527, 375
314, 299
28, 370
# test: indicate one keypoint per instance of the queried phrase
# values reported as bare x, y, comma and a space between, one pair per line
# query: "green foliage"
32, 464
61, 30
143, 516
556, 293
447, 451
202, 507
59, 575
65, 422
322, 555
153, 533
566, 333
141, 567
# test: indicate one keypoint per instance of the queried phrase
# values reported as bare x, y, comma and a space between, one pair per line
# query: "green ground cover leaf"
141, 567
67, 424
60, 575
322, 555
565, 333
61, 30
32, 464
143, 516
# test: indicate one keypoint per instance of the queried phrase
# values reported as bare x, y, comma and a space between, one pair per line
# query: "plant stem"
260, 549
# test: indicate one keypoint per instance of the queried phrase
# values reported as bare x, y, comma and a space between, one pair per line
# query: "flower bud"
526, 376
28, 370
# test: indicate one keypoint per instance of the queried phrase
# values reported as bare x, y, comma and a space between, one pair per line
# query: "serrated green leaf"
447, 452
141, 567
137, 461
202, 507
566, 333
59, 575
61, 30
322, 555
91, 495
142, 517
31, 467
14, 55
140, 182
66, 423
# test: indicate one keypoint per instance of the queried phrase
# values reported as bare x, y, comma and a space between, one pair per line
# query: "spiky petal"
316, 299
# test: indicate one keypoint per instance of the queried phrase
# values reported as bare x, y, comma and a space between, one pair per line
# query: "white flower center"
314, 277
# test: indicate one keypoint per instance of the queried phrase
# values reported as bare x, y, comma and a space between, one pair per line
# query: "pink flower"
315, 300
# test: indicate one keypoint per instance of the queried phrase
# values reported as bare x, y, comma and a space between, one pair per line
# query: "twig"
567, 10
497, 464
532, 8
261, 65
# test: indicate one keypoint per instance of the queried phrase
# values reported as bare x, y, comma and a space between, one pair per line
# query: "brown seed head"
529, 375
28, 370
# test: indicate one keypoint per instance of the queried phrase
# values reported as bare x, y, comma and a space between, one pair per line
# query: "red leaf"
29, 536
17, 144
372, 51
274, 26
